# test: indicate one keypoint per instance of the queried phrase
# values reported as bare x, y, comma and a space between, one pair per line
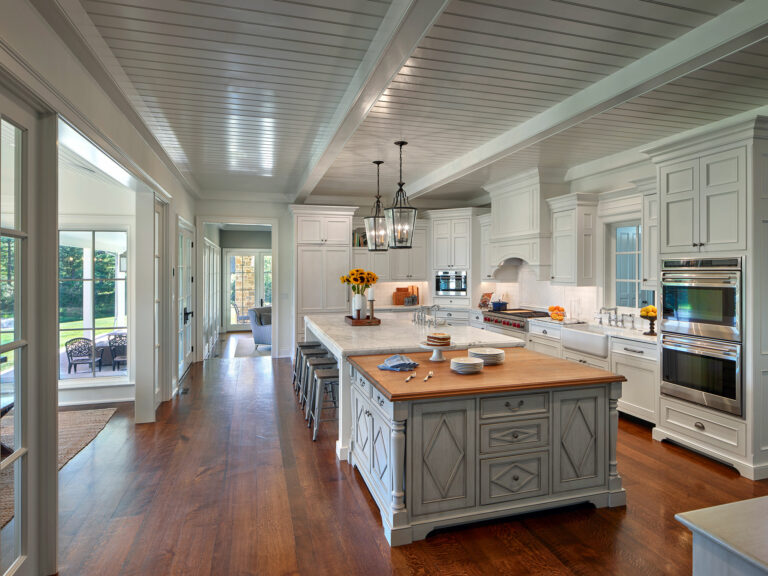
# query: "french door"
248, 284
17, 484
185, 298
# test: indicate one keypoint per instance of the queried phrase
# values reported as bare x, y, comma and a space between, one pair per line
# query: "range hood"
521, 222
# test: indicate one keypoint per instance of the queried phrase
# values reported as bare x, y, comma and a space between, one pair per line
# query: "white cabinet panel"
309, 229
544, 345
379, 264
460, 243
573, 239
441, 244
338, 230
486, 254
309, 269
336, 264
723, 201
361, 258
650, 241
418, 251
679, 196
639, 392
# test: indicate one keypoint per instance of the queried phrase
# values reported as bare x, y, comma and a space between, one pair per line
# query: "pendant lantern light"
401, 216
376, 225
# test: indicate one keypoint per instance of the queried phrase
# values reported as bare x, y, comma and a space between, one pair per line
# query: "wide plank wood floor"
228, 482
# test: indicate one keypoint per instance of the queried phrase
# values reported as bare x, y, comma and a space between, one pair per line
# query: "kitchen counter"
729, 539
396, 334
613, 331
521, 370
531, 434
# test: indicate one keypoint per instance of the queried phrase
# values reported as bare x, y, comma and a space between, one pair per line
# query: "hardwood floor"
228, 482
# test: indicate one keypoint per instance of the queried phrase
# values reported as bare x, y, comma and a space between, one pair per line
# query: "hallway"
228, 482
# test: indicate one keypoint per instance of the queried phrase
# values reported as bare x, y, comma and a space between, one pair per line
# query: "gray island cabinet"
530, 434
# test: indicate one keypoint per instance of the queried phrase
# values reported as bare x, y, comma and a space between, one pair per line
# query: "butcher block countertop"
521, 370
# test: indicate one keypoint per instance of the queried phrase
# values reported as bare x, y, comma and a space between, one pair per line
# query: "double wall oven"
451, 283
702, 328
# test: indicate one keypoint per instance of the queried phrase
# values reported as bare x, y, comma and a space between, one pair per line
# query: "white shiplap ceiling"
247, 96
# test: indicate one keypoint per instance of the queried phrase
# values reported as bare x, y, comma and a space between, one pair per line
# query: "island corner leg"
344, 410
398, 532
617, 496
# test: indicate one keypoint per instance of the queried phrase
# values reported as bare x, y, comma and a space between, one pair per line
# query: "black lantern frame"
401, 216
376, 225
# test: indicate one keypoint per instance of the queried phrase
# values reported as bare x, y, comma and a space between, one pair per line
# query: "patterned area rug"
77, 428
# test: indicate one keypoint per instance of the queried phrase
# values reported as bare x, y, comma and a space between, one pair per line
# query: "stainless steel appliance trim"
712, 349
702, 264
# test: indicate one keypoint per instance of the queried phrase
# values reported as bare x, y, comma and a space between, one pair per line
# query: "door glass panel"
243, 276
10, 527
10, 434
267, 280
705, 373
9, 300
75, 255
10, 175
111, 255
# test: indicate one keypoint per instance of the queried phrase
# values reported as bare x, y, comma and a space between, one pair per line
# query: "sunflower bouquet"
359, 279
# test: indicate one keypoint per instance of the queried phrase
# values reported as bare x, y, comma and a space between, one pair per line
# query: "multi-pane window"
93, 315
627, 267
12, 344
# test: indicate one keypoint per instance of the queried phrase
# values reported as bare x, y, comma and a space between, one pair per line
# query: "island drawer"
514, 435
717, 430
513, 477
514, 405
365, 387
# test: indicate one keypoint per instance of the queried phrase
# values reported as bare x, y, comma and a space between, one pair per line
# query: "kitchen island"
396, 334
529, 434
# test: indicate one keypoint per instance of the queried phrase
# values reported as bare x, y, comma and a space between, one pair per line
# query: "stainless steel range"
511, 322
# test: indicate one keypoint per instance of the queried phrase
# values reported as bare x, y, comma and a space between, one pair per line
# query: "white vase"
358, 304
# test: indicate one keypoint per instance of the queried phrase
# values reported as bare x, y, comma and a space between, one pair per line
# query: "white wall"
212, 232
256, 240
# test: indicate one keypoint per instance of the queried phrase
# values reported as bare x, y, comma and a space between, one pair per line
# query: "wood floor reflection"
228, 482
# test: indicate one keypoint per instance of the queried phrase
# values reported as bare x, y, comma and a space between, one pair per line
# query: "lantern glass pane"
376, 233
400, 223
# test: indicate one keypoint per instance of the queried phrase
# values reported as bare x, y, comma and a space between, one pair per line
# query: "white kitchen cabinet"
574, 233
451, 243
324, 229
318, 271
376, 262
650, 248
410, 264
544, 345
453, 317
703, 203
638, 362
487, 264
588, 359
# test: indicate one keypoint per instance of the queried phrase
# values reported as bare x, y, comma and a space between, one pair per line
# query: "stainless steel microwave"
451, 283
702, 297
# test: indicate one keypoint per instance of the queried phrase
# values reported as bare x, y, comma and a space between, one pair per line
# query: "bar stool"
307, 379
326, 381
299, 347
304, 355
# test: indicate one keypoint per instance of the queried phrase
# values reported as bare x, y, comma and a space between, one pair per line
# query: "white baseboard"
96, 394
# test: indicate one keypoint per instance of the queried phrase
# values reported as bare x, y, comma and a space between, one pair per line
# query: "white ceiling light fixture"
401, 216
376, 225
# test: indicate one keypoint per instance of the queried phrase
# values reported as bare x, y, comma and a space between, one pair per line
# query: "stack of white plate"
466, 365
489, 356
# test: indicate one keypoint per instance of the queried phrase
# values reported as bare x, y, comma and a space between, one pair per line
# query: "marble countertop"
613, 331
396, 334
739, 526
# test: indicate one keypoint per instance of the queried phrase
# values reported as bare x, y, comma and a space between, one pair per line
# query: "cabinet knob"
645, 279
515, 477
515, 435
508, 404
699, 425
544, 331
551, 277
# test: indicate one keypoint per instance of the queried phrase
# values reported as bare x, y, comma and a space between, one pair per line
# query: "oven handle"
704, 351
698, 283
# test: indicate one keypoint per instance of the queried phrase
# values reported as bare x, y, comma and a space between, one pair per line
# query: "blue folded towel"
398, 363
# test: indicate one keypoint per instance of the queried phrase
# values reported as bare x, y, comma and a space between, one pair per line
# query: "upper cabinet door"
441, 244
309, 229
400, 264
460, 243
650, 241
338, 230
418, 255
679, 197
723, 198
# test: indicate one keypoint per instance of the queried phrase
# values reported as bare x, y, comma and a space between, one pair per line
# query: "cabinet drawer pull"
699, 425
381, 403
544, 331
634, 350
508, 404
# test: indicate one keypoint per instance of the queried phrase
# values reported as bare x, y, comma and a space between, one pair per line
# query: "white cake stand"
437, 351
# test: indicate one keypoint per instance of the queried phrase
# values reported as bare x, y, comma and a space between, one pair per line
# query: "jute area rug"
77, 428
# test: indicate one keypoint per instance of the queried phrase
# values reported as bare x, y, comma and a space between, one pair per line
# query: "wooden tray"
367, 321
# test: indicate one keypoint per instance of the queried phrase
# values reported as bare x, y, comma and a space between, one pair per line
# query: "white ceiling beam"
401, 30
730, 32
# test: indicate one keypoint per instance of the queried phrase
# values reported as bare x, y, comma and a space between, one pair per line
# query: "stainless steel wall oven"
451, 283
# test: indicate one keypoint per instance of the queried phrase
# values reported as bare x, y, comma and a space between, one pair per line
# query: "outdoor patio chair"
118, 348
80, 351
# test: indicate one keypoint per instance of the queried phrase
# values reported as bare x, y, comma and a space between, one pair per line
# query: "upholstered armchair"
261, 325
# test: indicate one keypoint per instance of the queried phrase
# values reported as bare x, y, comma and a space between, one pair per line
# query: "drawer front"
381, 403
717, 431
514, 405
645, 350
514, 477
515, 435
451, 301
363, 386
476, 316
544, 330
453, 314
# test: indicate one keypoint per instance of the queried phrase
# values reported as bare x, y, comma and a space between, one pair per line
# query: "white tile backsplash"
581, 302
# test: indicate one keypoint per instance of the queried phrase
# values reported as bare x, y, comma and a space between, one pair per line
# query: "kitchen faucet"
614, 318
632, 316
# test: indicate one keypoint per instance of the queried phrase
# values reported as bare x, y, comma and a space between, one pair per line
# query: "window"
93, 319
626, 266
